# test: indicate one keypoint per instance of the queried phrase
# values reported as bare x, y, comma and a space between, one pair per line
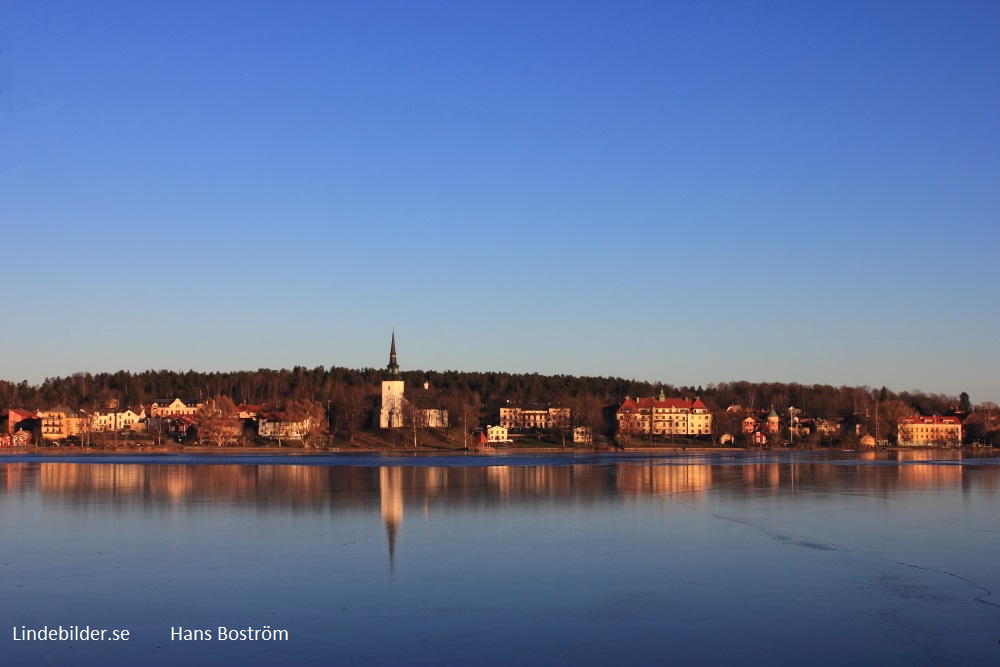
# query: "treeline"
486, 389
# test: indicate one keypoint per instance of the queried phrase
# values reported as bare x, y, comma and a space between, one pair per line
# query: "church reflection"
391, 504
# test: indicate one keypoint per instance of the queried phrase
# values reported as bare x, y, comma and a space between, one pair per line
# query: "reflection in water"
764, 557
391, 495
336, 486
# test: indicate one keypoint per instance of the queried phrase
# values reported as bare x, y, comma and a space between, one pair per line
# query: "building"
249, 411
165, 407
394, 409
666, 416
281, 426
773, 422
25, 418
116, 420
62, 422
526, 416
496, 434
934, 430
18, 439
583, 435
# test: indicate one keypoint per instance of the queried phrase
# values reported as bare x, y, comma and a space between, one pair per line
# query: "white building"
496, 434
395, 410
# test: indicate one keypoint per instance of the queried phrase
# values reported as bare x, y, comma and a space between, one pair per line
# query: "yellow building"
61, 422
496, 434
165, 407
666, 416
524, 416
934, 430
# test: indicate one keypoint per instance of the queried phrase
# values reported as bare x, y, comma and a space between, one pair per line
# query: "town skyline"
681, 193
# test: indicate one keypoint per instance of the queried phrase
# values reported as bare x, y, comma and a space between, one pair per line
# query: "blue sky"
685, 192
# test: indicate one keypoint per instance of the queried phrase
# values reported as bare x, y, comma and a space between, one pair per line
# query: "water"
773, 559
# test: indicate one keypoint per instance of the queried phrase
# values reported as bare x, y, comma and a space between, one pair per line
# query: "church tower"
391, 407
393, 367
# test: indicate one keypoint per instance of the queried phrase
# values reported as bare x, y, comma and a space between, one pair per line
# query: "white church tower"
390, 414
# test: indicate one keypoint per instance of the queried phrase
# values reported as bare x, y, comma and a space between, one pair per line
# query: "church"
395, 409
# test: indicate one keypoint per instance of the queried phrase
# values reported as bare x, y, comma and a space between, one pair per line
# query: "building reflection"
664, 479
337, 487
391, 504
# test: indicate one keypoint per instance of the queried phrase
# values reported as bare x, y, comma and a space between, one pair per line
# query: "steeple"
393, 366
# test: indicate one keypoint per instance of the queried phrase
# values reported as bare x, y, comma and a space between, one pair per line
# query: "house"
166, 407
583, 435
249, 411
767, 425
495, 434
666, 416
394, 409
178, 427
116, 420
18, 439
826, 427
932, 430
282, 426
525, 416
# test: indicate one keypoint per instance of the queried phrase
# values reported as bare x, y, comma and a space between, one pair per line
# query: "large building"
666, 416
166, 407
933, 430
61, 422
524, 416
394, 409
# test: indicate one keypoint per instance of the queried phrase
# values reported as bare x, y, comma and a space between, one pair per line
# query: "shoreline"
292, 452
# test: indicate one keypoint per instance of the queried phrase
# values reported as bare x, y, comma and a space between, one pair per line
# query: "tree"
216, 421
983, 425
964, 404
726, 421
628, 426
464, 410
559, 421
313, 417
353, 405
416, 418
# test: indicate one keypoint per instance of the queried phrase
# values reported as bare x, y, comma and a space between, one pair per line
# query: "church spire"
393, 366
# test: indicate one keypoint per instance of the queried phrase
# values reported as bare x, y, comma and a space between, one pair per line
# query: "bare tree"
353, 404
312, 416
216, 421
416, 419
891, 413
989, 416
465, 411
629, 425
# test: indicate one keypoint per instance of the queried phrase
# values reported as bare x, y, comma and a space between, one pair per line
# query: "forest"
349, 393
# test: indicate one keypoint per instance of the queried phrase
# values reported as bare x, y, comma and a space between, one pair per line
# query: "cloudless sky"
685, 192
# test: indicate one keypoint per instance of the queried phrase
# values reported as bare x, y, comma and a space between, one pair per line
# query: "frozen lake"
755, 558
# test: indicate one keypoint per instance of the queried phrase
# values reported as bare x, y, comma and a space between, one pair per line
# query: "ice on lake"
742, 558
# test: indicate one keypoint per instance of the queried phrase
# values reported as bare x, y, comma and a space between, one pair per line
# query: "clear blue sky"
685, 192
